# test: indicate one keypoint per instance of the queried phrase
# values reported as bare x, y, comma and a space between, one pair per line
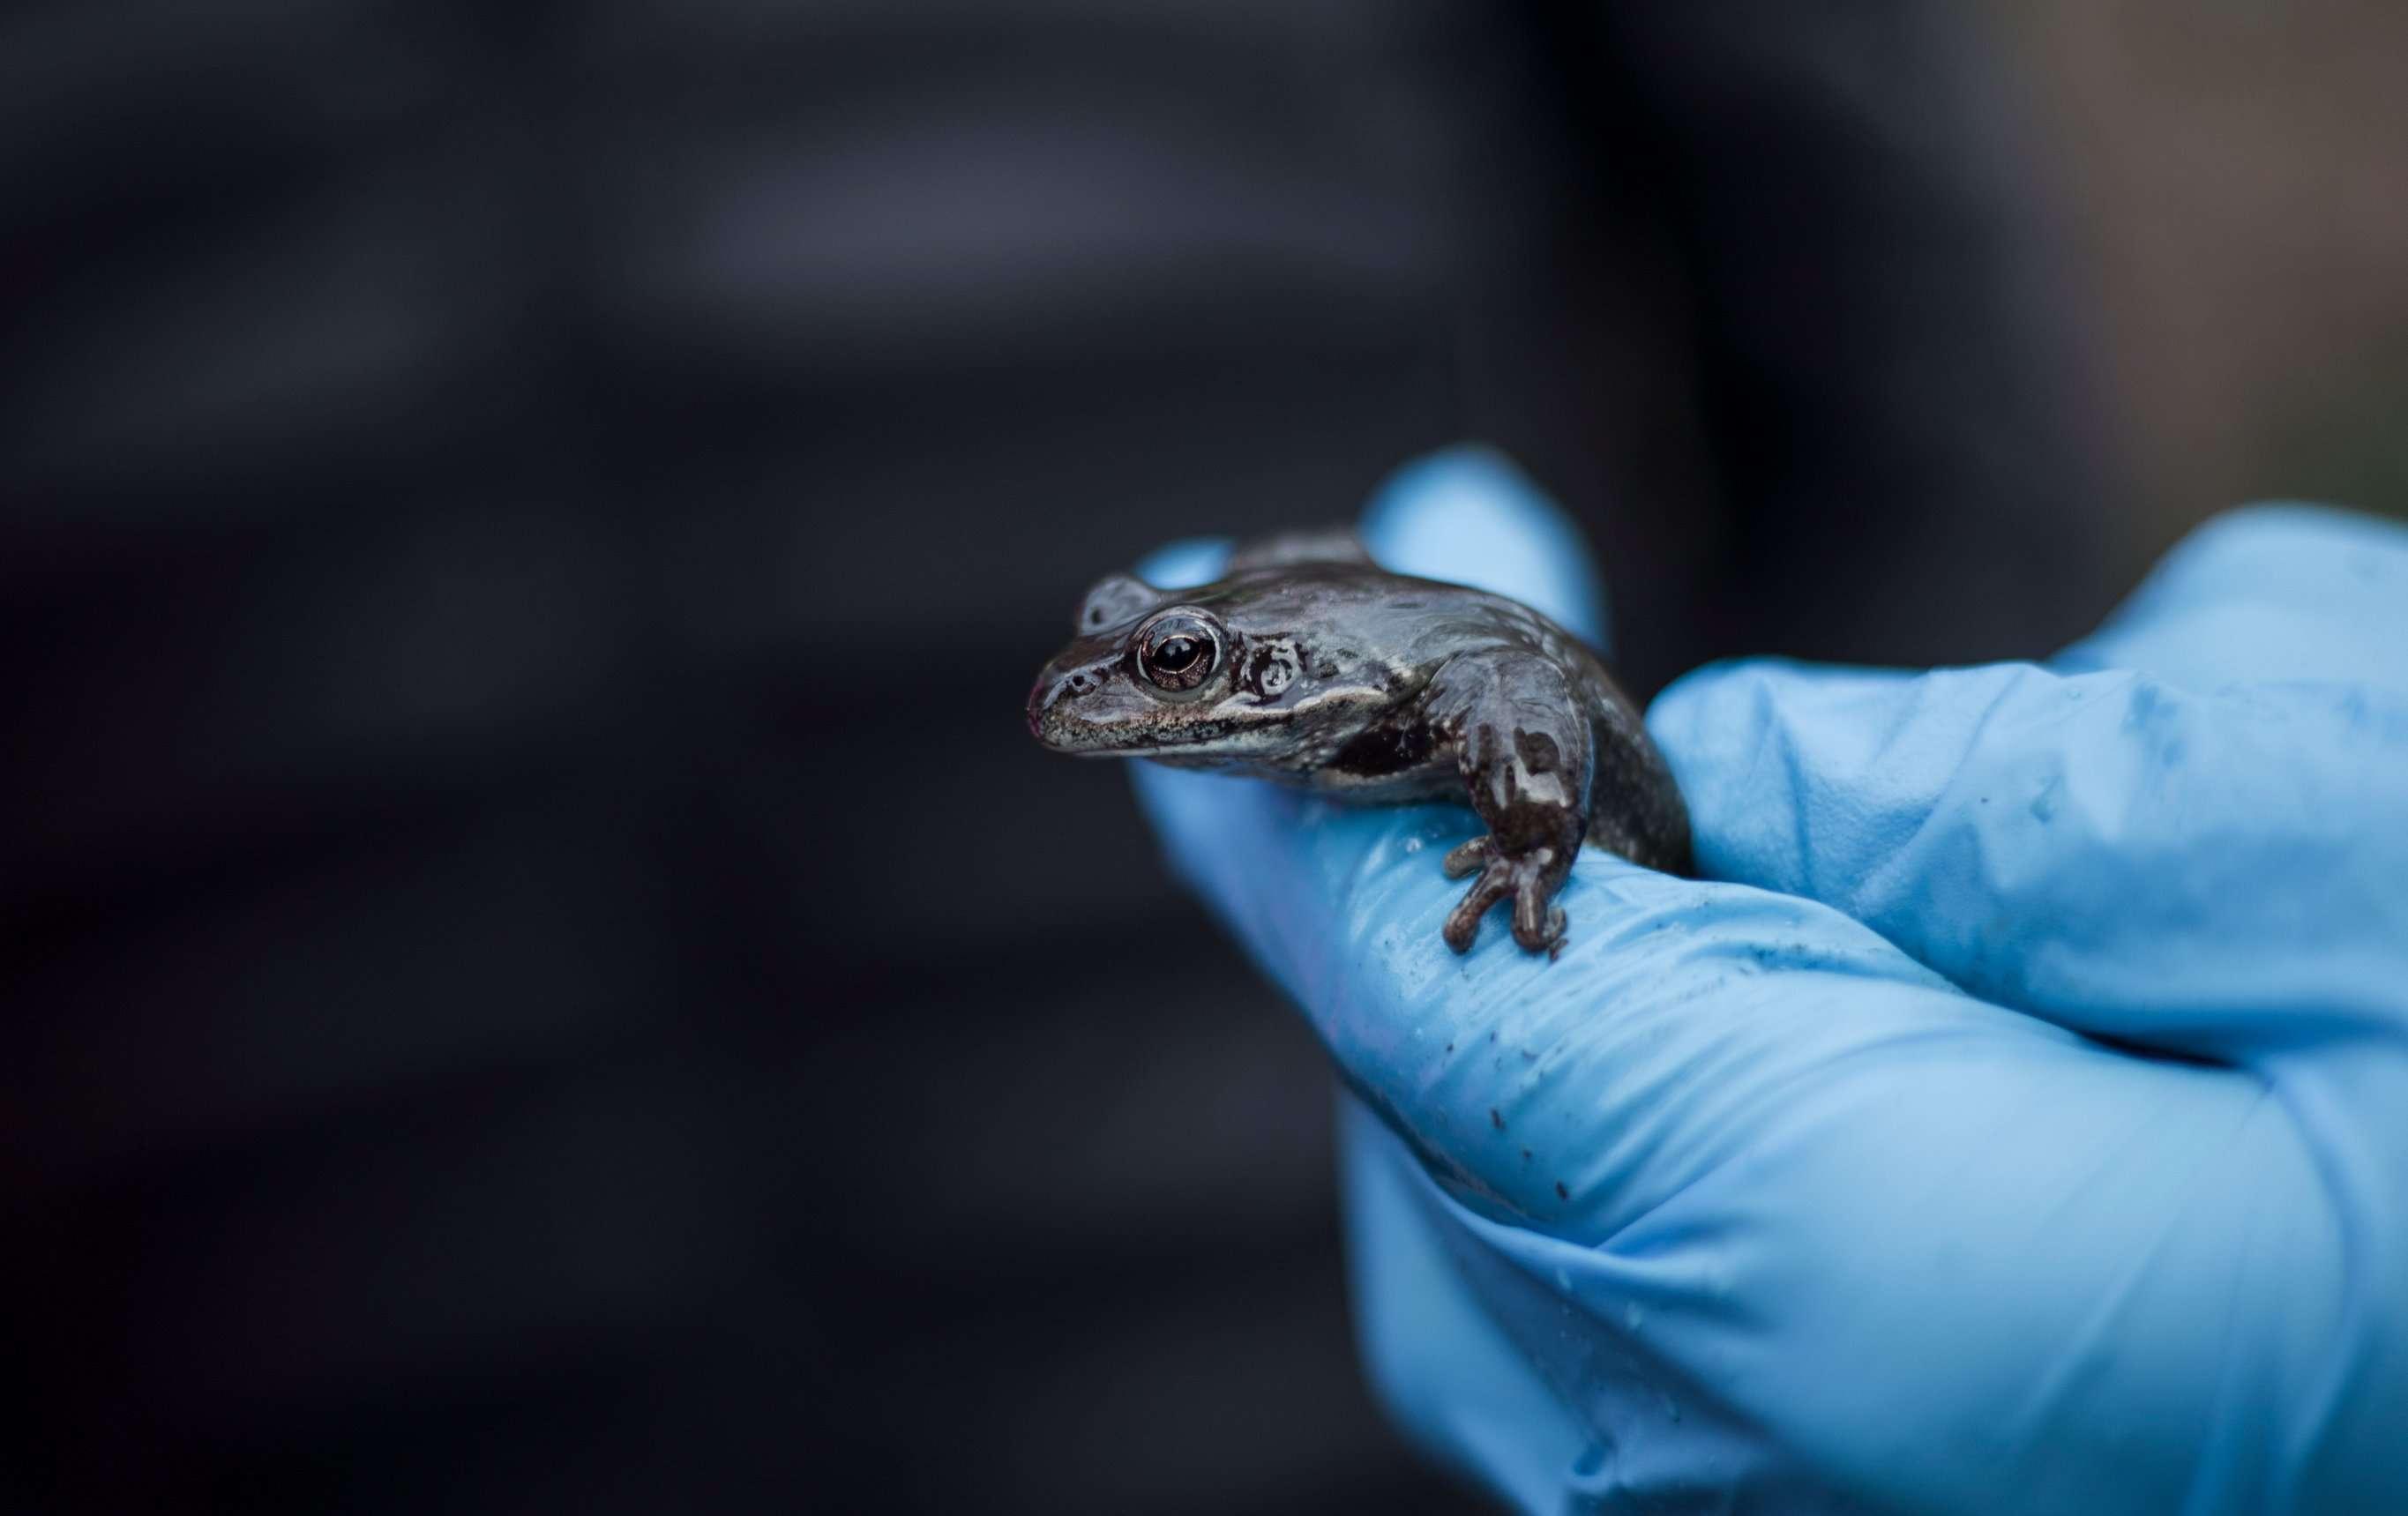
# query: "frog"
1308, 665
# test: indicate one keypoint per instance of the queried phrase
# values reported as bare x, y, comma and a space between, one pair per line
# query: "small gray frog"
1308, 665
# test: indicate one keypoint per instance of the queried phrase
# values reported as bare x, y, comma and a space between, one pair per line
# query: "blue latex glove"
1816, 1189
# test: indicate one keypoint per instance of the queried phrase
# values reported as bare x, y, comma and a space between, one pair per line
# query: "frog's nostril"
1083, 682
1049, 700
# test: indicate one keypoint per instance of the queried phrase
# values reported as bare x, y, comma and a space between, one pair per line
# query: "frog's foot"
1532, 879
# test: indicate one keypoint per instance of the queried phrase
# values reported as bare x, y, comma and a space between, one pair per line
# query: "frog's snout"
1052, 717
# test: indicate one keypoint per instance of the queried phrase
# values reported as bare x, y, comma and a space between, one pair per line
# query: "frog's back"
1354, 612
1424, 624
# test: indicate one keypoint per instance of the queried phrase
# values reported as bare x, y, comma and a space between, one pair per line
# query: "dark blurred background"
544, 972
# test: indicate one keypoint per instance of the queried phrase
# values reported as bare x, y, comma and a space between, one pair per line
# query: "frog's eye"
1179, 652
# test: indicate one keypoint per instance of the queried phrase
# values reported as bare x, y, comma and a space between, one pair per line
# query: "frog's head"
1216, 675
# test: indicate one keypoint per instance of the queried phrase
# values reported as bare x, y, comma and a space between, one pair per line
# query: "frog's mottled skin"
1313, 666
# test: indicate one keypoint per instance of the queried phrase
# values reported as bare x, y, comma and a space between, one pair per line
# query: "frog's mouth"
1082, 711
1201, 735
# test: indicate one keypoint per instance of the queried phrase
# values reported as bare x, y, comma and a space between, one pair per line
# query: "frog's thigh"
1522, 748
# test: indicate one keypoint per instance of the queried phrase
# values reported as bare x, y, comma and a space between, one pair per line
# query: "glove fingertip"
2285, 550
1184, 564
2266, 592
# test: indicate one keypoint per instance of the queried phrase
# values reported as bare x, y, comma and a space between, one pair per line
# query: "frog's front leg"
1522, 743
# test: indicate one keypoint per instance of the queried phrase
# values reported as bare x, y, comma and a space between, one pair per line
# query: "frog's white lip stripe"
1351, 695
1243, 726
1259, 729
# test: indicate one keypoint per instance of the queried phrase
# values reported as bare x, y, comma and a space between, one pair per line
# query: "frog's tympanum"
1307, 663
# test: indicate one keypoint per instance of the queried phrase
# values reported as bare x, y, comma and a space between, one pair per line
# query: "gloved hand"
2023, 1125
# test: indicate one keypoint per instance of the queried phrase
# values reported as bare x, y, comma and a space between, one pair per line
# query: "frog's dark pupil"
1174, 653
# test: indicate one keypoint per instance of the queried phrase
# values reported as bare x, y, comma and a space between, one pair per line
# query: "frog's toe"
1470, 856
1530, 883
1537, 925
1463, 923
